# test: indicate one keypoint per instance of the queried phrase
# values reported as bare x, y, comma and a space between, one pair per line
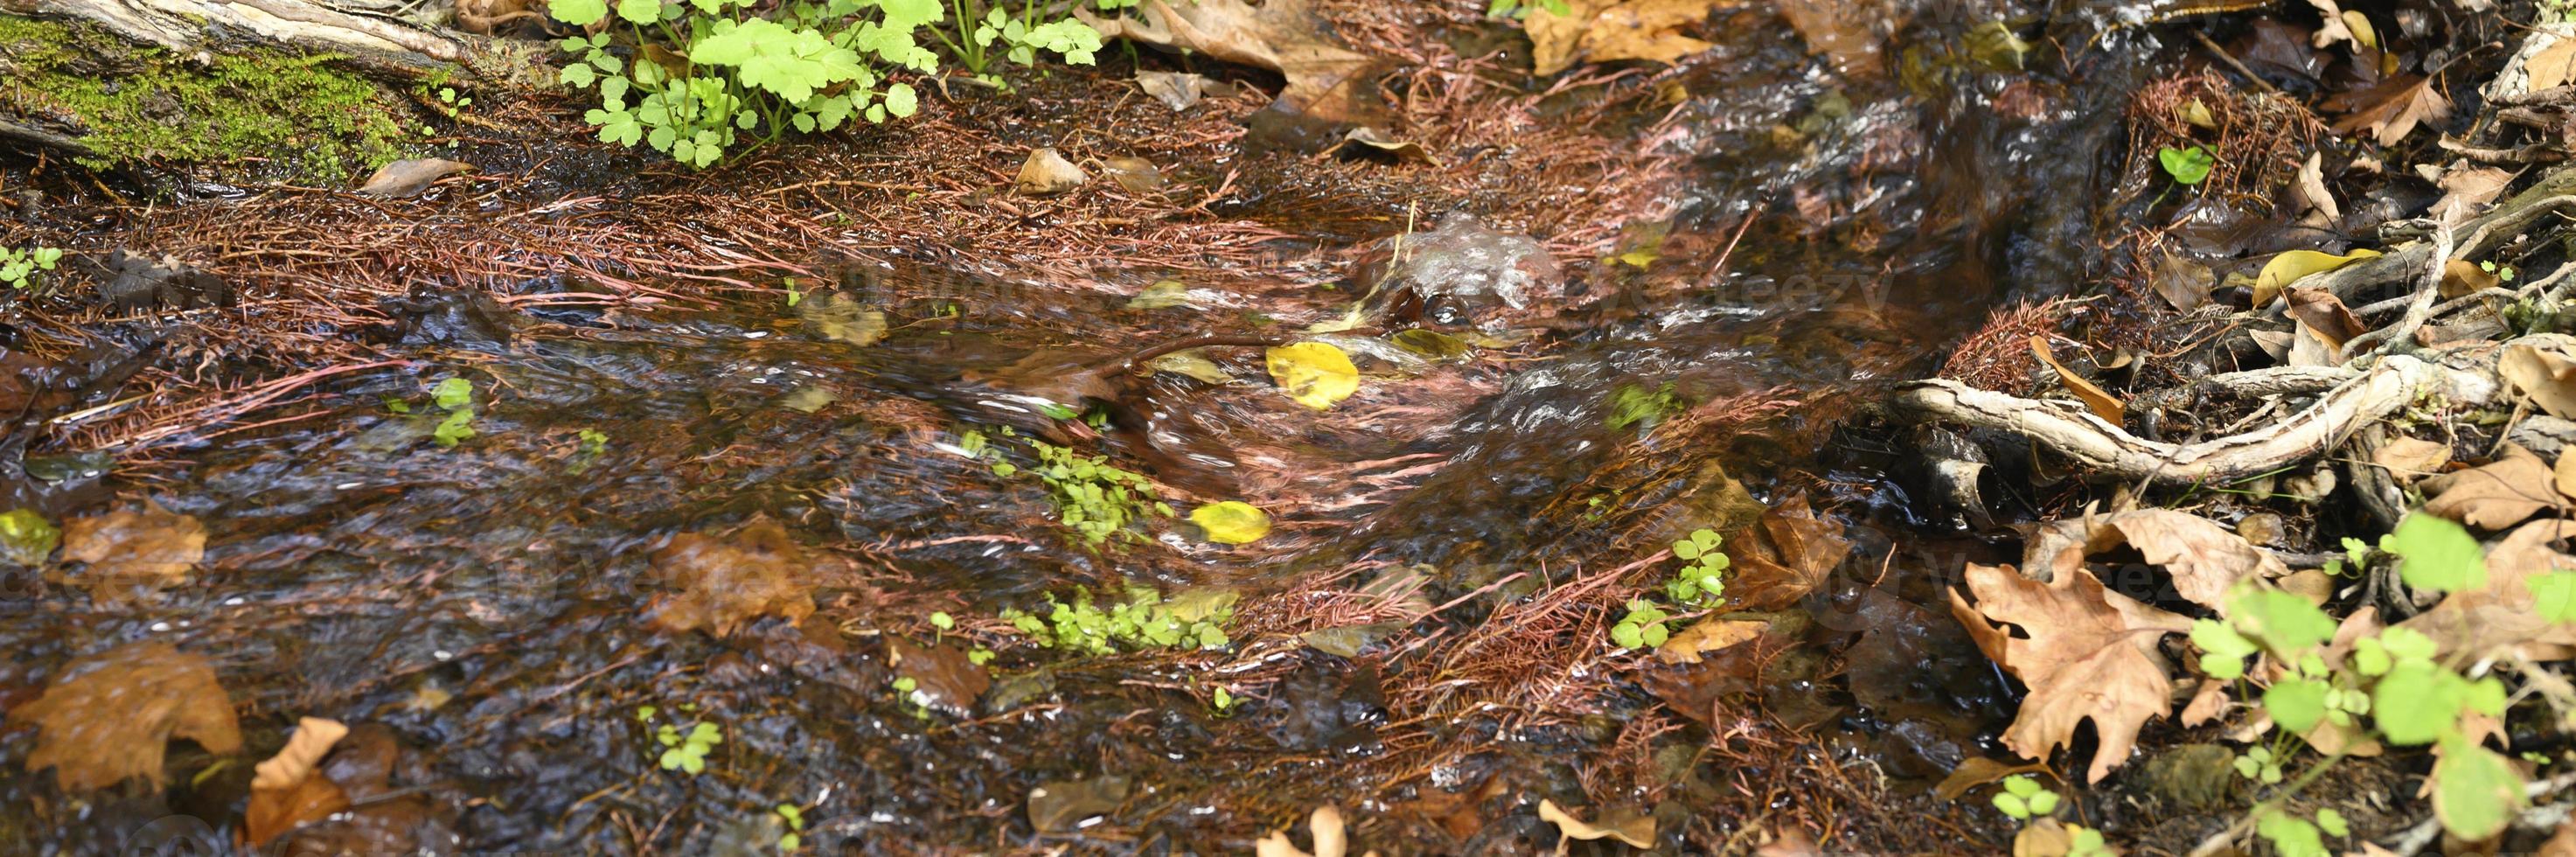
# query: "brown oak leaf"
1783, 556
2496, 495
133, 550
2085, 652
287, 793
112, 716
2390, 110
1609, 30
2203, 558
757, 571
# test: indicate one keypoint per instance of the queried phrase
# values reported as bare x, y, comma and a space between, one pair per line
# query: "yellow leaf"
2288, 267
1625, 825
2096, 399
1232, 522
1313, 373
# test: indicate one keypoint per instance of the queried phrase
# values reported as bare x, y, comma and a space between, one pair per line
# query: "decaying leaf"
1844, 32
2085, 652
2288, 267
2096, 399
944, 678
1709, 635
1331, 840
1623, 824
1134, 175
1611, 30
2204, 559
1977, 771
1056, 806
842, 318
2182, 281
1315, 374
2308, 192
1163, 294
1192, 363
1368, 139
135, 549
1177, 90
2461, 277
2553, 66
2466, 190
724, 582
2496, 495
1325, 79
1046, 172
2544, 377
1787, 553
2390, 110
110, 717
2410, 458
407, 177
287, 792
2325, 314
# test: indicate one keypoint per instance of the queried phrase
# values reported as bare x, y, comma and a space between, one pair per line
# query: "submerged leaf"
1231, 522
150, 548
1626, 825
1313, 373
757, 571
112, 716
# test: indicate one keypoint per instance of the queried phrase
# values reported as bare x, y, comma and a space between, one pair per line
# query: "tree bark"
380, 43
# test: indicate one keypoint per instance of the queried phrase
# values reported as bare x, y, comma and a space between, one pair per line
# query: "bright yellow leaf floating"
1313, 373
2288, 267
1232, 522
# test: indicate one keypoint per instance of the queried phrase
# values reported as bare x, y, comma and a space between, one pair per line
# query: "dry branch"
2068, 429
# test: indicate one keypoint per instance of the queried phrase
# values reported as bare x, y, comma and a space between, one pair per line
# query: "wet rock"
1058, 805
1461, 273
136, 283
1329, 704
449, 316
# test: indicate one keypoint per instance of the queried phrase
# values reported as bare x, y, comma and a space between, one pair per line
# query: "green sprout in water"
1144, 620
1698, 583
456, 397
1643, 627
686, 751
2024, 798
795, 820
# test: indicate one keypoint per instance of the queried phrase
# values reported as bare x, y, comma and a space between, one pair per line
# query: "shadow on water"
484, 601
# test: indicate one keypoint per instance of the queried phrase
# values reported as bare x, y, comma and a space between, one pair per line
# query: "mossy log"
313, 90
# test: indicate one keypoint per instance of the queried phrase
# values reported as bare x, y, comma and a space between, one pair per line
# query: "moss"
284, 114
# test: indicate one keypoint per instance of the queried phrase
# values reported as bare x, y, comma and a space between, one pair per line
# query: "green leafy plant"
2394, 682
2187, 166
1143, 620
1643, 627
705, 73
1223, 702
979, 39
1699, 582
19, 268
1633, 405
2024, 798
1516, 9
1092, 497
682, 751
456, 396
794, 818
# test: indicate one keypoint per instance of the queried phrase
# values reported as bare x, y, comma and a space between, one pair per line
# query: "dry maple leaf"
2544, 377
2390, 110
1783, 556
2203, 558
128, 550
1610, 30
1325, 79
112, 716
2085, 652
2496, 495
725, 582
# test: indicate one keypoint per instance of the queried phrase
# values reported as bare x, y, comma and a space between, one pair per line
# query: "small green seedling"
2024, 798
2259, 765
1142, 621
2188, 166
18, 268
1698, 583
688, 751
1643, 627
1223, 702
795, 820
